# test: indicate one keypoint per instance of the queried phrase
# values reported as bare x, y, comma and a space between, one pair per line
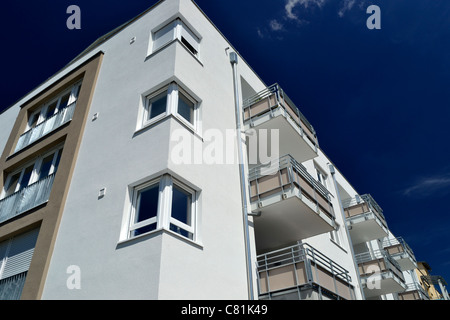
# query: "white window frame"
135, 210
335, 235
37, 165
322, 178
164, 217
74, 91
179, 31
173, 90
189, 228
146, 120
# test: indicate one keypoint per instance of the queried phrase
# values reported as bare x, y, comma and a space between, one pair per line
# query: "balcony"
414, 291
290, 204
380, 273
400, 251
272, 109
301, 272
26, 199
365, 219
45, 127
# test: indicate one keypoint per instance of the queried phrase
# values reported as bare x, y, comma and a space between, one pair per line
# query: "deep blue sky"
378, 99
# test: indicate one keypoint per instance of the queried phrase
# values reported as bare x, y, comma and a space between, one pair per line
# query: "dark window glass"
11, 188
50, 110
26, 177
157, 105
188, 45
64, 101
181, 205
147, 203
143, 230
185, 108
58, 158
33, 120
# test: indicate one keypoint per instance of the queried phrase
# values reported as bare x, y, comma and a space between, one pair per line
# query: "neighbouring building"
136, 172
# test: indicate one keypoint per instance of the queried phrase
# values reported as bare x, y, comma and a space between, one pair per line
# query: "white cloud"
275, 25
260, 33
346, 6
437, 185
291, 4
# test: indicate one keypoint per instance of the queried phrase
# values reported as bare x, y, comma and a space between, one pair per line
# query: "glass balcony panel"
45, 127
26, 199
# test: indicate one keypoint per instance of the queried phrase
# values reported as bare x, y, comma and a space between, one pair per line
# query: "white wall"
114, 155
7, 120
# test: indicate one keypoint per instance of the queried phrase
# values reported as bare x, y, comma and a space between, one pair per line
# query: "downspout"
234, 61
332, 170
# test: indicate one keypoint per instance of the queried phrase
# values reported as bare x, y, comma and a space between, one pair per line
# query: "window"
56, 105
29, 186
186, 108
163, 203
15, 259
49, 117
146, 210
321, 177
171, 100
31, 173
176, 30
335, 235
181, 212
157, 105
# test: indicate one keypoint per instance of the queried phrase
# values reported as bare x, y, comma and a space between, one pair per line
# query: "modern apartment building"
131, 174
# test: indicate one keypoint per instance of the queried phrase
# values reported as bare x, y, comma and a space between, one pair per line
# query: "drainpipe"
234, 61
332, 171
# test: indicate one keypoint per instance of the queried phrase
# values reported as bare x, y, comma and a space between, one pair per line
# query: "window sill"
150, 55
157, 232
151, 124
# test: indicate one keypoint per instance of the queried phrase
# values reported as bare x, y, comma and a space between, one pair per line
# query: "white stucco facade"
117, 153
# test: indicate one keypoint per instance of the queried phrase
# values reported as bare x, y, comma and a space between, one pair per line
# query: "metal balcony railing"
278, 98
297, 176
11, 288
28, 198
380, 256
414, 286
399, 241
45, 127
373, 207
317, 268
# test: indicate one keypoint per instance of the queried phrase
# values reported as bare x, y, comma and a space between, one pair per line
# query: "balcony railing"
45, 127
380, 273
11, 288
357, 201
291, 204
272, 104
296, 268
414, 291
401, 251
289, 173
365, 218
28, 198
